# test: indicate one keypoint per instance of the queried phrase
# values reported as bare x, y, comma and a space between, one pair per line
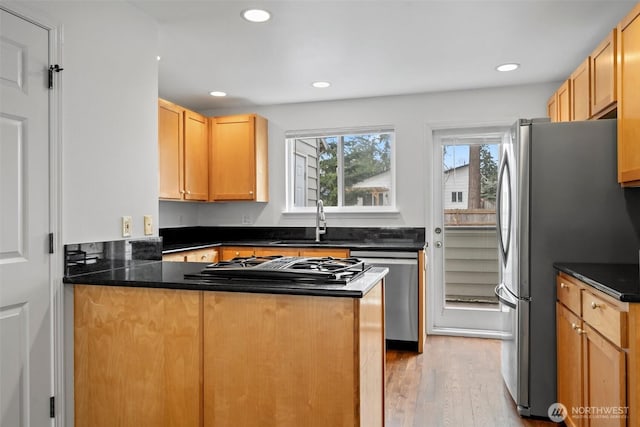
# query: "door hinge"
53, 68
50, 243
52, 407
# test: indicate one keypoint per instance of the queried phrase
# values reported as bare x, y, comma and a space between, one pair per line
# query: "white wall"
414, 118
109, 90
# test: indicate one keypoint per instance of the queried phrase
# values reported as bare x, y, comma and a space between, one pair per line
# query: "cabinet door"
175, 257
552, 108
569, 352
629, 98
325, 252
580, 87
202, 255
564, 102
233, 158
604, 379
272, 251
170, 150
196, 157
230, 252
603, 74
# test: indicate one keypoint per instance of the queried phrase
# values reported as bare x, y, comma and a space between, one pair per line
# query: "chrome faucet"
320, 219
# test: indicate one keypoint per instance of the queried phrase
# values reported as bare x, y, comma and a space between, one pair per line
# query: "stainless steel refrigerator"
558, 201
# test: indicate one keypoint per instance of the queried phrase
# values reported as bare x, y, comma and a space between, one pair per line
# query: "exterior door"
465, 252
25, 286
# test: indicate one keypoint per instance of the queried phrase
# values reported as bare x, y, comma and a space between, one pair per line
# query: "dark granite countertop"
621, 281
158, 274
362, 238
370, 246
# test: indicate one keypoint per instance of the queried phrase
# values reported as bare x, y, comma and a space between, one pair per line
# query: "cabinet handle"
578, 329
250, 192
562, 285
182, 191
188, 192
594, 305
204, 257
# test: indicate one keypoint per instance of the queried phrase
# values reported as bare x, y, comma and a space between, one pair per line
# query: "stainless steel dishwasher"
401, 293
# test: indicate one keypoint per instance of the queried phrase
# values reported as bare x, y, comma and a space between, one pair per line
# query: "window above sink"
350, 170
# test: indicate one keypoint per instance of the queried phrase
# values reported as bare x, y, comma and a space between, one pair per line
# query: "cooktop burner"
313, 270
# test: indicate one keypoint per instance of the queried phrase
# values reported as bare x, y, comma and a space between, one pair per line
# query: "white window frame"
290, 136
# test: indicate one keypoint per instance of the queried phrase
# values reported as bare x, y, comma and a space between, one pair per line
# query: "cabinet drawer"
605, 317
568, 293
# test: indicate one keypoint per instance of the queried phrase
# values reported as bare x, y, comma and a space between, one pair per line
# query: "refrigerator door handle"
504, 298
504, 208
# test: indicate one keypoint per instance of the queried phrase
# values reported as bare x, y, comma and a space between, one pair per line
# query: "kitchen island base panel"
137, 357
165, 357
290, 360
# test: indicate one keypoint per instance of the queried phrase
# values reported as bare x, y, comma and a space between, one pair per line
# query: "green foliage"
488, 174
364, 156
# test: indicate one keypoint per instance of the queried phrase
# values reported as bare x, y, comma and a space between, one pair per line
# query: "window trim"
290, 136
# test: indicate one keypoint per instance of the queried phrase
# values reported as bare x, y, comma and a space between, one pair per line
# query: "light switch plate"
127, 224
148, 225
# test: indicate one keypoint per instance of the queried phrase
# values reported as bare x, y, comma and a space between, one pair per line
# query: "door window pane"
470, 176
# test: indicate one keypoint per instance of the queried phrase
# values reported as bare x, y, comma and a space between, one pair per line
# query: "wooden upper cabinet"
628, 47
603, 76
563, 103
579, 92
196, 157
239, 160
183, 150
552, 108
171, 149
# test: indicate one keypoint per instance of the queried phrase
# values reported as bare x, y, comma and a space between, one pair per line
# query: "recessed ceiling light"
508, 67
217, 93
320, 84
256, 15
158, 57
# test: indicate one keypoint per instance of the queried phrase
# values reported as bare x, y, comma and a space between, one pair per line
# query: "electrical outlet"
148, 225
246, 219
127, 225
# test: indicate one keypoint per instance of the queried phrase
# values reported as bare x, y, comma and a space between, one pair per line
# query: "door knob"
438, 244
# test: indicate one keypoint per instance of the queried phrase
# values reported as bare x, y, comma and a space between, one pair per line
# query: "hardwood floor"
455, 382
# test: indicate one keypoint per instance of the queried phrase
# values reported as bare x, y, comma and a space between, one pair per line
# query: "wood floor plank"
455, 382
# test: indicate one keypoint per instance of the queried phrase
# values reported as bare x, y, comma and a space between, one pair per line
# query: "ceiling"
367, 48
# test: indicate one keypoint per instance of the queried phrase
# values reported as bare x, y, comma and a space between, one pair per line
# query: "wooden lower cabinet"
230, 252
569, 349
137, 357
604, 380
325, 252
598, 357
161, 357
196, 255
272, 251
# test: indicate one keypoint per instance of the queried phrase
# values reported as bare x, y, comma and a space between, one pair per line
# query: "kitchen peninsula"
154, 348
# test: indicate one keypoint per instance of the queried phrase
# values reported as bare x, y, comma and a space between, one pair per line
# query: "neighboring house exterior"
377, 188
307, 174
456, 187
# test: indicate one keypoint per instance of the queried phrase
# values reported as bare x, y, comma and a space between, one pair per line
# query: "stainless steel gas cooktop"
312, 270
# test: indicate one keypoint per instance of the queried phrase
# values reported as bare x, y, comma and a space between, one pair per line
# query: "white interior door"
25, 290
465, 261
